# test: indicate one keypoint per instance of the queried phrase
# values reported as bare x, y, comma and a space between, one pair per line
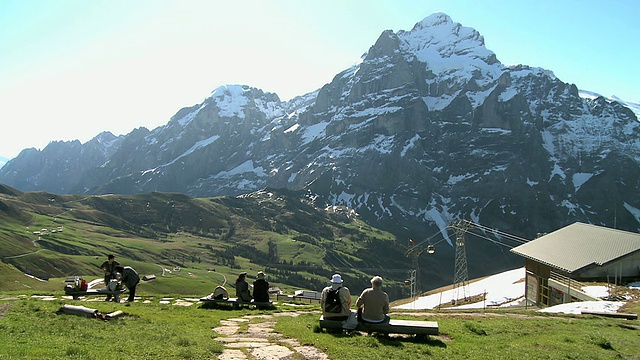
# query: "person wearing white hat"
335, 300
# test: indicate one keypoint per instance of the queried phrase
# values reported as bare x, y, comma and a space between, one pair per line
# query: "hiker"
242, 288
109, 269
373, 303
220, 293
130, 279
260, 288
335, 300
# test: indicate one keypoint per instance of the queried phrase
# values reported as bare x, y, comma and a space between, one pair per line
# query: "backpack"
333, 303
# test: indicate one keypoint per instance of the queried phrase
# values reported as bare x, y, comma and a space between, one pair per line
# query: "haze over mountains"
427, 128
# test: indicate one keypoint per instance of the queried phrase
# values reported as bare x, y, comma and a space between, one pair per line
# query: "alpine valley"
428, 127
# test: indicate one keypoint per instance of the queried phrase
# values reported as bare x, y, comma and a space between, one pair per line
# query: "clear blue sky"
71, 69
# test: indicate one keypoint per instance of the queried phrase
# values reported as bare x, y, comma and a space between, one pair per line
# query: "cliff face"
429, 127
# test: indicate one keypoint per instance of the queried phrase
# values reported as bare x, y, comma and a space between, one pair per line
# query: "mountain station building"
556, 263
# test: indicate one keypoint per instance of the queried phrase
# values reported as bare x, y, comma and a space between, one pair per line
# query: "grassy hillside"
191, 244
30, 328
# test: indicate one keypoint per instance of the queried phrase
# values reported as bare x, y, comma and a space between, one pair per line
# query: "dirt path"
252, 337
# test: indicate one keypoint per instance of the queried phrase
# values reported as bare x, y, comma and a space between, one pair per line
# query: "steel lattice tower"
461, 275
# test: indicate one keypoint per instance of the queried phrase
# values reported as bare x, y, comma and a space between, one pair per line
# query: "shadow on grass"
229, 306
388, 340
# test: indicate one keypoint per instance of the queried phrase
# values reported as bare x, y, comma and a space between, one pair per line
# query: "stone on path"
241, 339
226, 330
311, 353
260, 341
272, 352
232, 354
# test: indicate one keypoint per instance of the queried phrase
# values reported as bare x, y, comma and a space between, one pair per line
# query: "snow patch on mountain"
185, 120
441, 102
382, 144
198, 145
580, 178
410, 144
633, 106
292, 128
231, 100
451, 50
313, 132
633, 210
271, 109
507, 94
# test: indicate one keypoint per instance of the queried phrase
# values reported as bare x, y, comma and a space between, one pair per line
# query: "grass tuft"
602, 342
183, 342
474, 328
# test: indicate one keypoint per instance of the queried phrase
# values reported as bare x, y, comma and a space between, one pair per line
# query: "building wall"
537, 268
536, 287
627, 267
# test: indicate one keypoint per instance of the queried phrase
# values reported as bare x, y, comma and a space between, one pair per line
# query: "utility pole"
461, 274
415, 252
413, 287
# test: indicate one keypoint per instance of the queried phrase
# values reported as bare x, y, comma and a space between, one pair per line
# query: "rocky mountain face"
427, 128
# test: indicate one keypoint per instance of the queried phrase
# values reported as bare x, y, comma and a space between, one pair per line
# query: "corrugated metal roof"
578, 245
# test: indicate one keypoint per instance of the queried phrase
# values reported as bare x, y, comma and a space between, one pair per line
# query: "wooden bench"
394, 326
236, 303
76, 294
611, 314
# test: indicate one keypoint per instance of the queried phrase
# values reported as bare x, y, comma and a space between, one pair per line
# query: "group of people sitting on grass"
243, 291
335, 301
116, 276
372, 304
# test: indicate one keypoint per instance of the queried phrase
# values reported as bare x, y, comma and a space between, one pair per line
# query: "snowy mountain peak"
236, 100
429, 127
231, 100
437, 37
229, 90
434, 19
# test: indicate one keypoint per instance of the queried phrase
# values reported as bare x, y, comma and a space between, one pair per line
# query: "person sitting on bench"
242, 288
373, 303
335, 300
260, 289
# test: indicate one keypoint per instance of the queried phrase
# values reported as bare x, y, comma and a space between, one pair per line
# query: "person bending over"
130, 279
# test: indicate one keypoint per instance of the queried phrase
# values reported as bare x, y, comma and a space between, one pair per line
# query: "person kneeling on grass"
373, 303
130, 279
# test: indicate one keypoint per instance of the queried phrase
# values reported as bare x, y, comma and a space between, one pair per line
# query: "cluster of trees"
294, 278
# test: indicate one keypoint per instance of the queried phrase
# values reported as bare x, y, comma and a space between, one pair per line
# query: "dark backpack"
333, 303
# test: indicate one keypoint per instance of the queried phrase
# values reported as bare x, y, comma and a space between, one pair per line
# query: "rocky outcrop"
427, 128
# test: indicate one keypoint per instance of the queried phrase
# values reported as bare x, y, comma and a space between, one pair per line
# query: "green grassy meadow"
30, 328
210, 240
192, 245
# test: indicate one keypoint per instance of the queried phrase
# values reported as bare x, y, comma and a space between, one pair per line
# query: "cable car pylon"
461, 273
